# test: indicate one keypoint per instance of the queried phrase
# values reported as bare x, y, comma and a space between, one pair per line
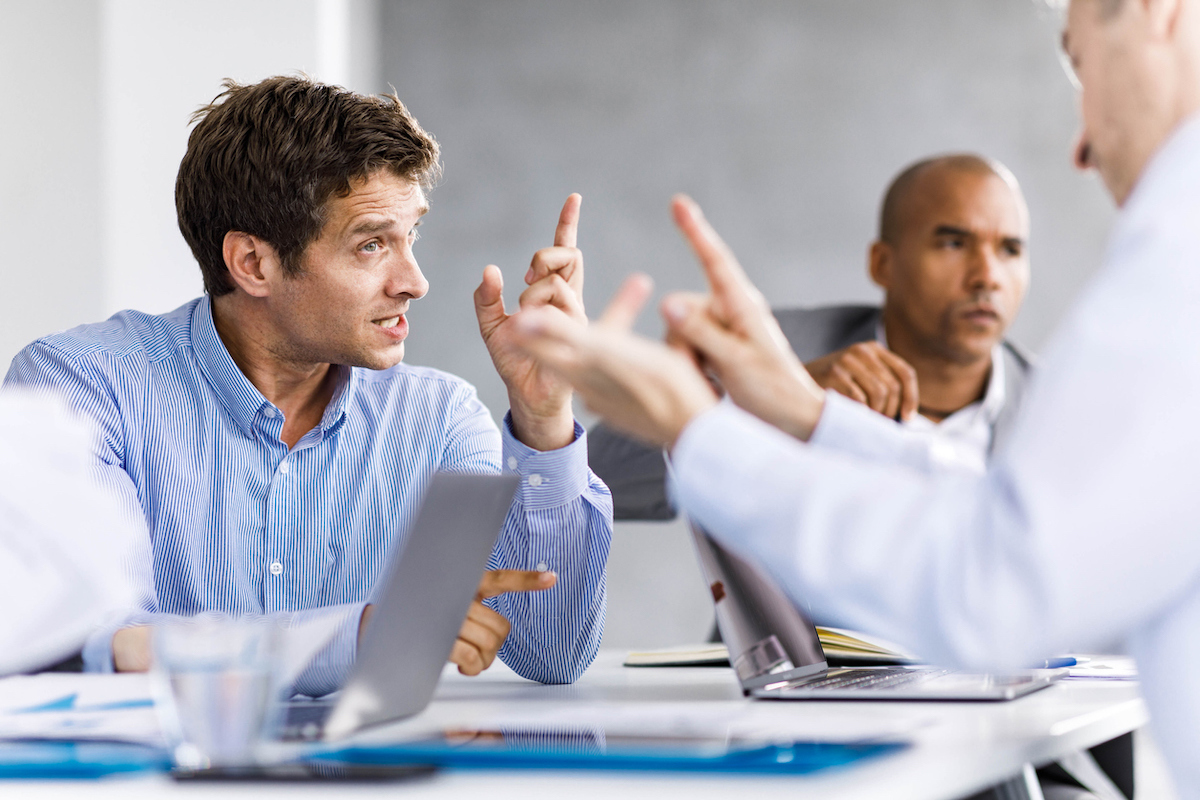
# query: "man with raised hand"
951, 257
268, 432
1084, 529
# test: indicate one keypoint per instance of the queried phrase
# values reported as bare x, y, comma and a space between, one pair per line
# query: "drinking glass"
215, 684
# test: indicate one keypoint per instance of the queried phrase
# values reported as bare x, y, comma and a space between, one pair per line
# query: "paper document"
75, 707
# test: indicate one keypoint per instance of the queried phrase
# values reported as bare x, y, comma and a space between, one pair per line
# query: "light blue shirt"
237, 523
1085, 529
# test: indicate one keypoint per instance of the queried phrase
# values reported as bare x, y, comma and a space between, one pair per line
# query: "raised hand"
642, 387
540, 400
735, 335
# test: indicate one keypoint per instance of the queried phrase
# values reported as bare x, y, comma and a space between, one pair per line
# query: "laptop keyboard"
868, 679
305, 720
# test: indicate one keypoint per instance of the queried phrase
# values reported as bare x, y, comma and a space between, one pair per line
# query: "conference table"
954, 748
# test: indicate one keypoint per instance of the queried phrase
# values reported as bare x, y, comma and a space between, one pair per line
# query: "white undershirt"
962, 440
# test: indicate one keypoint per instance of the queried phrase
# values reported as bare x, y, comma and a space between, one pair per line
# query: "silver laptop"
427, 591
775, 652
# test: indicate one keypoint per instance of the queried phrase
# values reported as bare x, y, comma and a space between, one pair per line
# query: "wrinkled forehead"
382, 192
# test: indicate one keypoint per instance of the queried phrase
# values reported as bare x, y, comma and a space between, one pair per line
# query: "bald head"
931, 175
951, 258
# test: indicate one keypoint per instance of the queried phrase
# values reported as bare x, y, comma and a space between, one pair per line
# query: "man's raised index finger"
499, 581
625, 306
724, 274
568, 222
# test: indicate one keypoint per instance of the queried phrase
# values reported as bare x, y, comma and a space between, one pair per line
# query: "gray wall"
784, 119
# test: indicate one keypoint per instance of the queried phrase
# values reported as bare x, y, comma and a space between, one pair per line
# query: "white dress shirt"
1084, 530
962, 440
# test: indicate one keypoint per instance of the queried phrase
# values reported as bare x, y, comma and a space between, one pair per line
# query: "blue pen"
1058, 663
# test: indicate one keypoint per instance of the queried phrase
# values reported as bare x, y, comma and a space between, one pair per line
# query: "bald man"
951, 258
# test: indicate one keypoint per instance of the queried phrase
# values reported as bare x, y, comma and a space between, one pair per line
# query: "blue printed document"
79, 707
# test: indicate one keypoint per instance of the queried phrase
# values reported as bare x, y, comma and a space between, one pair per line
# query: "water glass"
215, 684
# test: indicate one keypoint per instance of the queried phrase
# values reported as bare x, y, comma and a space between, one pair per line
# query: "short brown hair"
265, 158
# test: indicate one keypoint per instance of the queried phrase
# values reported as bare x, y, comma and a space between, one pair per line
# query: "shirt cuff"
328, 670
854, 429
97, 651
549, 478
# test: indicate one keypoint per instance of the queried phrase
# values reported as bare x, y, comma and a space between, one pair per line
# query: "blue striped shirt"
237, 523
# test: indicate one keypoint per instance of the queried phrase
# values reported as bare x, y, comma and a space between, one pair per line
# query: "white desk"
958, 748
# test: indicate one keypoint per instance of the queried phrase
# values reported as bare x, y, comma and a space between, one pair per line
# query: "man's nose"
407, 279
984, 269
1081, 151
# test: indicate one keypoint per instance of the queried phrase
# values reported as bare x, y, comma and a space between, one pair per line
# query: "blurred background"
784, 119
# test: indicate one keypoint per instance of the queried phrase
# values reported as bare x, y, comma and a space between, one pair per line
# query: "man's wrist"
804, 421
542, 432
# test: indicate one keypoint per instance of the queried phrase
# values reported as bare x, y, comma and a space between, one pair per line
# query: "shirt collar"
995, 394
242, 400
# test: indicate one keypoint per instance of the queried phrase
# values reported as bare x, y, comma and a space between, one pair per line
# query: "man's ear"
251, 262
879, 264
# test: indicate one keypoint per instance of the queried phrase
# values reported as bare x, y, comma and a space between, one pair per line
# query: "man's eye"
951, 243
371, 247
1013, 250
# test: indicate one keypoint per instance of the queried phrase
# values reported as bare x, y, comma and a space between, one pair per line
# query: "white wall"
102, 94
50, 275
160, 61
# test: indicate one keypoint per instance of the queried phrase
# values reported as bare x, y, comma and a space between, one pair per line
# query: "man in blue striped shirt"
267, 436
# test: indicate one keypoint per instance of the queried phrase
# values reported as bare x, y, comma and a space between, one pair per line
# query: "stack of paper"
843, 645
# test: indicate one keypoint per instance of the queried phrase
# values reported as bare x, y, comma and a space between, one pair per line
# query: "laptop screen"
769, 638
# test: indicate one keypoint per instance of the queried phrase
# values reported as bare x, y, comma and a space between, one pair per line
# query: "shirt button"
276, 568
512, 462
284, 468
535, 480
269, 412
542, 566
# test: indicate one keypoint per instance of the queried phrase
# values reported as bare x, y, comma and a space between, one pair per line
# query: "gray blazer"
636, 474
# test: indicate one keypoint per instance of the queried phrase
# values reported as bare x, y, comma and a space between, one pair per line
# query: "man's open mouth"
390, 322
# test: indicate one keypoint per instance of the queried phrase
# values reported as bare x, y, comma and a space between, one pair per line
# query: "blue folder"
557, 750
81, 760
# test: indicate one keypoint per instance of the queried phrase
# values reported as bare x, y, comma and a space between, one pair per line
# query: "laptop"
776, 654
426, 593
